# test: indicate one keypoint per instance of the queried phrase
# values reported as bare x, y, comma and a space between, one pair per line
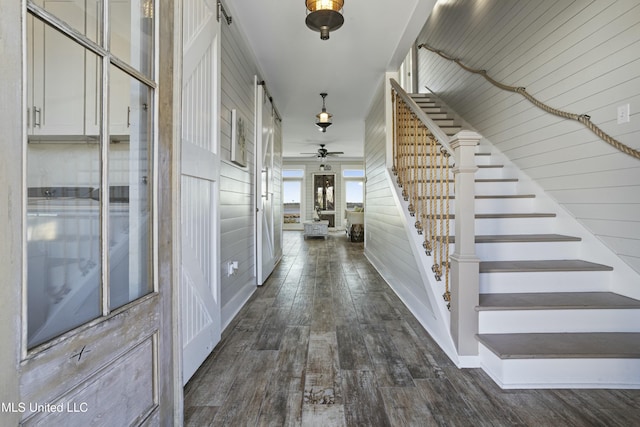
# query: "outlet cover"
623, 114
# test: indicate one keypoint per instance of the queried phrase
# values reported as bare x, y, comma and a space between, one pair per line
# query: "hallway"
326, 342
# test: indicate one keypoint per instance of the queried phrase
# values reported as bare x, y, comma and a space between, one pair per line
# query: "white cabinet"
316, 228
63, 90
121, 83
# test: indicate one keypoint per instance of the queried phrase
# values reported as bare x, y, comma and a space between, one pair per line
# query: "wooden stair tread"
520, 238
508, 215
556, 301
492, 180
516, 215
555, 265
488, 196
623, 345
505, 196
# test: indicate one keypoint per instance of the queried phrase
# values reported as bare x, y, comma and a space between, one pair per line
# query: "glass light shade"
324, 16
324, 117
313, 5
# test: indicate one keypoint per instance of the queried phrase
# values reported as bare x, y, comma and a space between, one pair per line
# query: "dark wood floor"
325, 342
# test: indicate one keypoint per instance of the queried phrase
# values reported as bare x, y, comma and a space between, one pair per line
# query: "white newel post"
464, 262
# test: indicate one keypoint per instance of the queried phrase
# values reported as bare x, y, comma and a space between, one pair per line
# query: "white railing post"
464, 262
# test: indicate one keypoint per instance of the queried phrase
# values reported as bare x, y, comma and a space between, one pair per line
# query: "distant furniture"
316, 229
354, 226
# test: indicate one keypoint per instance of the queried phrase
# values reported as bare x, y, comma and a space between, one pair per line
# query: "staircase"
546, 317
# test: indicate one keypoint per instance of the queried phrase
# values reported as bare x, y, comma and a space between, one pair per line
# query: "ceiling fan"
323, 153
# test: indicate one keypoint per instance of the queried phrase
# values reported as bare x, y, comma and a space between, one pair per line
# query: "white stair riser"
517, 205
501, 188
414, 166
490, 173
514, 251
561, 373
526, 251
565, 281
481, 188
483, 160
443, 122
540, 321
510, 225
513, 225
490, 206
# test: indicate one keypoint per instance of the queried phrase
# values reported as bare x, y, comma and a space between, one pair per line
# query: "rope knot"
583, 118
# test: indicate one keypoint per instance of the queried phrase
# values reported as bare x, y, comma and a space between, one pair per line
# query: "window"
90, 193
353, 188
292, 186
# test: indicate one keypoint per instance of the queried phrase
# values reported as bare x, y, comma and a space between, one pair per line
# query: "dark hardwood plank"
363, 404
280, 405
322, 316
323, 383
352, 350
415, 354
373, 307
272, 331
388, 365
407, 407
199, 416
336, 336
446, 405
243, 402
210, 385
301, 310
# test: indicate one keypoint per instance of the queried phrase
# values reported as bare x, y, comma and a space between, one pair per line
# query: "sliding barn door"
269, 187
200, 163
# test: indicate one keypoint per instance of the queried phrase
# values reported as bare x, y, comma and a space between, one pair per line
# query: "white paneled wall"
387, 243
237, 208
578, 56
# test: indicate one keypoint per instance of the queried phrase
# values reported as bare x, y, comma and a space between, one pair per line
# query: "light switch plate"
623, 114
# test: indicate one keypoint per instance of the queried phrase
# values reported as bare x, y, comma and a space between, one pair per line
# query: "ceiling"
297, 65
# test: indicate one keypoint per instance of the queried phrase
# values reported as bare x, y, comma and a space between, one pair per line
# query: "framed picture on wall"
238, 140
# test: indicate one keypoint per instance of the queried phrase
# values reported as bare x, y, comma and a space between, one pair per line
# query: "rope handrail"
435, 130
582, 118
422, 158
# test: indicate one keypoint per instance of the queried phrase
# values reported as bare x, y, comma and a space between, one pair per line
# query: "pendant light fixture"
324, 16
323, 118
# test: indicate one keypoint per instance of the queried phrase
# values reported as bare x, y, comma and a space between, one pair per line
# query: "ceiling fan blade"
334, 152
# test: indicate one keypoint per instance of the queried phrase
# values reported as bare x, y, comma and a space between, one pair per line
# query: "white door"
200, 163
268, 194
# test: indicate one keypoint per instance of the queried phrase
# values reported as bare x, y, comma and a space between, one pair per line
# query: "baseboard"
468, 361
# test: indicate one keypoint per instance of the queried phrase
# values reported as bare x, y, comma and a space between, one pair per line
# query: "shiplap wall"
578, 56
387, 245
237, 206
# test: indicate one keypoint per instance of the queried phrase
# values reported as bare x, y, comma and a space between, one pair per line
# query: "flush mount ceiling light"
323, 118
324, 16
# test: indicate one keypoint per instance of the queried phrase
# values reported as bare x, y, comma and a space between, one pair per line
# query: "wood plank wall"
579, 56
386, 243
237, 206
